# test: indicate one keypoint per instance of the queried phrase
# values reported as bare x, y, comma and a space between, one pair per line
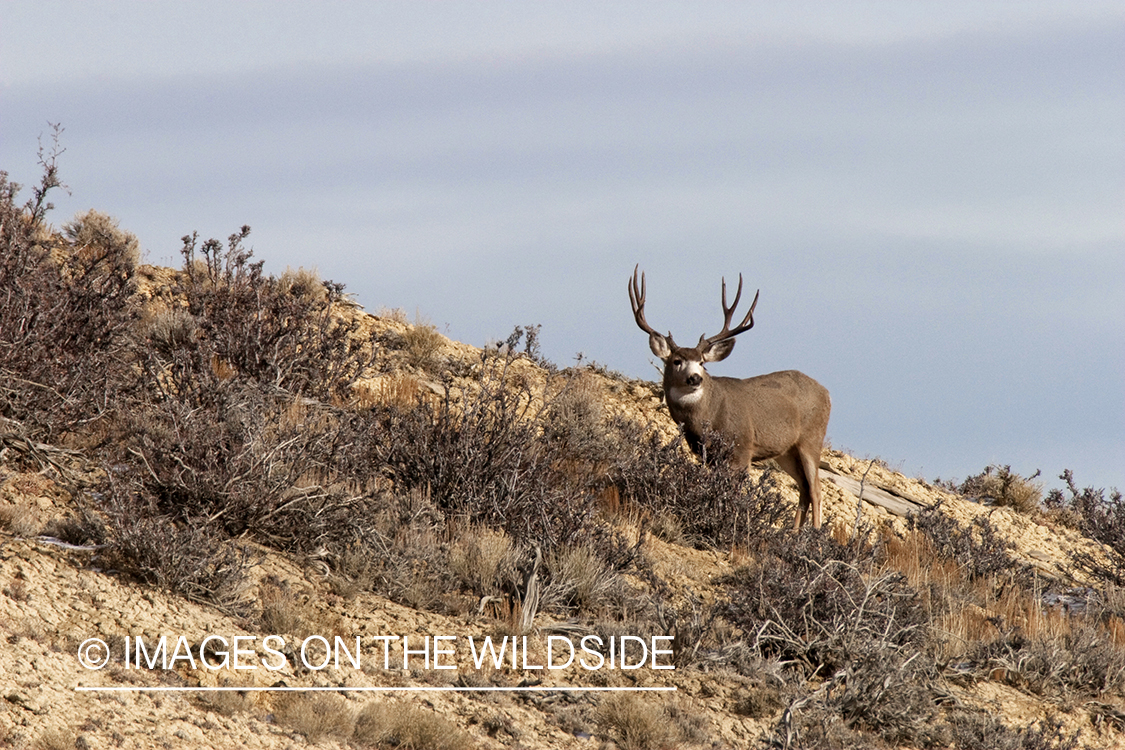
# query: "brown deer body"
782, 415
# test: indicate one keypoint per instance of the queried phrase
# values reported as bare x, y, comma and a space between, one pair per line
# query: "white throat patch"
685, 396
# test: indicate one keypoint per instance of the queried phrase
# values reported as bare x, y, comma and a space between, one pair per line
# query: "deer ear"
718, 351
659, 345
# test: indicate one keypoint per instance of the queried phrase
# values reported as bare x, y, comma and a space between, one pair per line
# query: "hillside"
207, 454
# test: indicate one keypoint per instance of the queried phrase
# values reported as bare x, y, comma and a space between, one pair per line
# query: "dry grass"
19, 519
397, 314
317, 716
999, 485
406, 727
226, 702
56, 738
579, 578
635, 723
995, 628
94, 234
305, 283
397, 390
423, 344
352, 571
483, 560
281, 610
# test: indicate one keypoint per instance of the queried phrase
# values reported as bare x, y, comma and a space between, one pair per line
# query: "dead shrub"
575, 419
823, 609
63, 315
978, 549
268, 331
198, 563
317, 716
402, 553
391, 725
973, 730
80, 527
1097, 517
483, 459
714, 503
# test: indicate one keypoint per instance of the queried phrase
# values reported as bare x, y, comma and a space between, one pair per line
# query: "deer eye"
677, 362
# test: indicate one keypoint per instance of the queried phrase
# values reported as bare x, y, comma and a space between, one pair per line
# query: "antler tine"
637, 300
728, 312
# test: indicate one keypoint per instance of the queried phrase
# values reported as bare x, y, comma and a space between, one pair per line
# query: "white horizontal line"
540, 689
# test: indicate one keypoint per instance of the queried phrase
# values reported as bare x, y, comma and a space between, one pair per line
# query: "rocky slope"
53, 601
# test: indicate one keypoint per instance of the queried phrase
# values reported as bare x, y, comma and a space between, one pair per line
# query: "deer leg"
791, 464
810, 462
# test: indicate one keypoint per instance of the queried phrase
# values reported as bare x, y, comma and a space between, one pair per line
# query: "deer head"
684, 372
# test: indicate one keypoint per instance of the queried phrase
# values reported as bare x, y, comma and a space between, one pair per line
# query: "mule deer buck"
783, 415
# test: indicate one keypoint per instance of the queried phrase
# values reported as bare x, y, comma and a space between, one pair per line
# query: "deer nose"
694, 379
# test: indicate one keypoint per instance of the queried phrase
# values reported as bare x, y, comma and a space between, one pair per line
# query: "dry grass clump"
973, 730
226, 702
169, 331
317, 716
636, 723
1079, 660
484, 561
408, 552
93, 234
999, 485
397, 390
56, 738
352, 569
579, 578
759, 699
281, 609
19, 519
423, 343
406, 727
305, 283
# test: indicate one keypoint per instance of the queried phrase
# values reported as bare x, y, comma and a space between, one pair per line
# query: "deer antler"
746, 324
637, 300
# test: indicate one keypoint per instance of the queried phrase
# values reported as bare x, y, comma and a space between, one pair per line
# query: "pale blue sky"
931, 196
